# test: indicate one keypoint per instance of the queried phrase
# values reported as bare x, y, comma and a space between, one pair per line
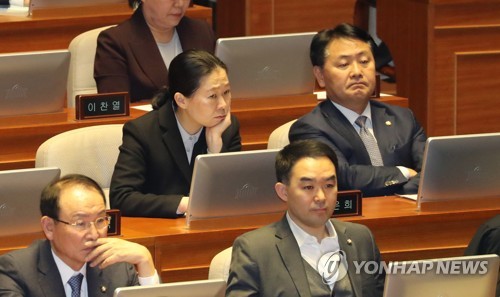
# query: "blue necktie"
75, 282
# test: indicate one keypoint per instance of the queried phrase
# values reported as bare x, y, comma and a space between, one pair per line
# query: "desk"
447, 57
56, 30
401, 232
258, 118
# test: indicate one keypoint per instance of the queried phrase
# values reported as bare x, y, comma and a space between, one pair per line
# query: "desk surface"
401, 231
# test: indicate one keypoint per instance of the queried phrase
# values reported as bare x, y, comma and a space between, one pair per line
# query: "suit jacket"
128, 58
152, 172
400, 138
33, 272
267, 262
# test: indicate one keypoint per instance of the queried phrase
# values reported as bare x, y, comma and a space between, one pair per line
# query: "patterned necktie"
369, 142
75, 282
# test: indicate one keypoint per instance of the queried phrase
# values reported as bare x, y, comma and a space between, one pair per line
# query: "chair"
279, 137
91, 151
81, 67
219, 267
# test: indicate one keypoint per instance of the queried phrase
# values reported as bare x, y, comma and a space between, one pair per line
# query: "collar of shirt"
310, 249
188, 139
66, 273
352, 116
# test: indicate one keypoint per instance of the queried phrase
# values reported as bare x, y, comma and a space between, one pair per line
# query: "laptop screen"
234, 184
20, 198
460, 167
33, 82
454, 277
268, 65
201, 288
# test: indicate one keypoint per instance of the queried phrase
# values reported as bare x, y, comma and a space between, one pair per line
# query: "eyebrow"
309, 179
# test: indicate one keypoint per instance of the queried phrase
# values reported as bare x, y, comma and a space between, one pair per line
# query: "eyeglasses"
99, 223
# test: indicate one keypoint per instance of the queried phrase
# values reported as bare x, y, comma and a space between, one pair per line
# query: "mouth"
357, 85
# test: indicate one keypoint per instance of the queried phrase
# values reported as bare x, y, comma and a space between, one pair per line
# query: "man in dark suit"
76, 259
306, 253
379, 146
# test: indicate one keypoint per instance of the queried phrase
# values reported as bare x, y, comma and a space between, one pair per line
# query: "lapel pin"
103, 289
388, 123
349, 241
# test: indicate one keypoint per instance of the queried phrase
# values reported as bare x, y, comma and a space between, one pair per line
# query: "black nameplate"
348, 204
102, 105
115, 227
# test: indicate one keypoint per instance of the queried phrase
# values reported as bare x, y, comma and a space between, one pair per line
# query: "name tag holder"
349, 203
102, 105
115, 226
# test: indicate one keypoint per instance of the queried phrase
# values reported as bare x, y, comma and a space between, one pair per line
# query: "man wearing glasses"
76, 259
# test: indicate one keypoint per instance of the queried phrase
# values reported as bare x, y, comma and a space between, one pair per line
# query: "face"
76, 204
164, 14
348, 74
311, 194
209, 104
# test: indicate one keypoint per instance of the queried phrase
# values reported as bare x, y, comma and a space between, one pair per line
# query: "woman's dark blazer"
152, 173
128, 59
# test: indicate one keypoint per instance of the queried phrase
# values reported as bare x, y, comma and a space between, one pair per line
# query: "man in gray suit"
76, 259
380, 146
306, 253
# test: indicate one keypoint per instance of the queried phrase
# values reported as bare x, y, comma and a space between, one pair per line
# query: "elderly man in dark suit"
76, 259
306, 254
380, 146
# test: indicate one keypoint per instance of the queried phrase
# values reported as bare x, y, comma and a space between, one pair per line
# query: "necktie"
369, 142
75, 282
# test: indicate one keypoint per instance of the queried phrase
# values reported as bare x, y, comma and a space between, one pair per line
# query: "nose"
320, 196
92, 232
223, 103
179, 2
356, 70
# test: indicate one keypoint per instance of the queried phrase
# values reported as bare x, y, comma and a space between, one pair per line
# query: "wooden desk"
258, 118
57, 29
447, 57
401, 232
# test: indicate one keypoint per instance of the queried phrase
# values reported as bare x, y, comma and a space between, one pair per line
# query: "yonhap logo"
332, 266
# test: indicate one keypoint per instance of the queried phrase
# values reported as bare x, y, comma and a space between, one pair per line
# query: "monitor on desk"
20, 192
460, 167
454, 277
33, 82
201, 288
268, 65
233, 184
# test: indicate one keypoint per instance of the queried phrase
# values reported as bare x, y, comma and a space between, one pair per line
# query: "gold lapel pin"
388, 123
349, 241
103, 289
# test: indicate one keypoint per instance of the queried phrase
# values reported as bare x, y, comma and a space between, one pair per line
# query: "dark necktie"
369, 142
75, 282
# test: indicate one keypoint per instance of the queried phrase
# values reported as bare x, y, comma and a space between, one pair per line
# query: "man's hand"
108, 251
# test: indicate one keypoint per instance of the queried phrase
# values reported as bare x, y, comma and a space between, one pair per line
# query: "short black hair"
49, 202
323, 38
185, 73
297, 150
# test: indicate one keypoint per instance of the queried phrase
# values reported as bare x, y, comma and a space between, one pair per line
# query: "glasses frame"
87, 225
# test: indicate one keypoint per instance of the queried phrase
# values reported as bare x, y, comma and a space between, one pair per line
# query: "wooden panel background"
425, 38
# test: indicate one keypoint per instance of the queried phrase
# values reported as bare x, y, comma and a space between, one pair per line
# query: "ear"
318, 73
281, 190
48, 226
181, 100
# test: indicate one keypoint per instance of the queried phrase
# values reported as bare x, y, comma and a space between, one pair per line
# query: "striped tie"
369, 142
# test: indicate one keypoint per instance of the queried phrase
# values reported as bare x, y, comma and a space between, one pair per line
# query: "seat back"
279, 137
91, 151
219, 267
81, 67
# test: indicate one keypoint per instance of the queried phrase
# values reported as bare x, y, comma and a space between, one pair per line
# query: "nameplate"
115, 226
348, 204
102, 105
